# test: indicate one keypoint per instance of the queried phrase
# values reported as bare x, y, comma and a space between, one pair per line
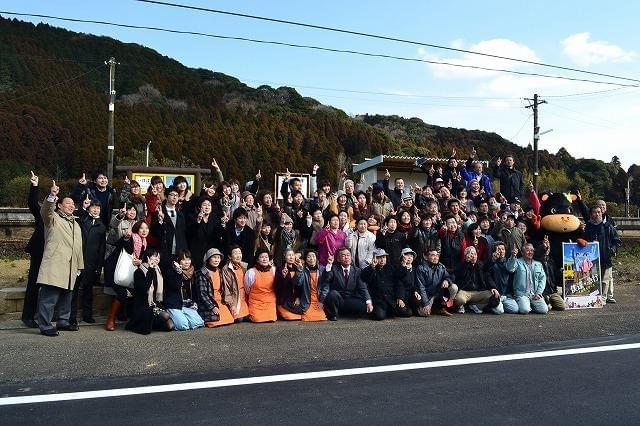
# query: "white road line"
178, 387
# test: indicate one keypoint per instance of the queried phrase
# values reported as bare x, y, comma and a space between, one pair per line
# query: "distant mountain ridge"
191, 115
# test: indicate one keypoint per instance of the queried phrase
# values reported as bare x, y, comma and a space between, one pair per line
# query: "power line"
377, 36
319, 48
583, 93
52, 86
521, 127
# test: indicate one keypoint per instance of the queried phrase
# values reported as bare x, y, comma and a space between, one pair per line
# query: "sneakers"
610, 299
461, 310
50, 332
474, 308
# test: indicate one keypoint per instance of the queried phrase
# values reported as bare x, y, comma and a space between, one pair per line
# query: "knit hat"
286, 218
377, 188
210, 253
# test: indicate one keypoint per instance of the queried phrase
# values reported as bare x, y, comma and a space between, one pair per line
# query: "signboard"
304, 177
582, 286
144, 179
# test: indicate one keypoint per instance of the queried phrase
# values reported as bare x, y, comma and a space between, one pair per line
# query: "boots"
110, 325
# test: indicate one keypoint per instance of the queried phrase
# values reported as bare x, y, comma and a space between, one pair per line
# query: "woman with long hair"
287, 291
148, 294
180, 293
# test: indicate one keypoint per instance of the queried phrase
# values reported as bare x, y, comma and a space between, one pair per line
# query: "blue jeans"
526, 304
509, 305
185, 318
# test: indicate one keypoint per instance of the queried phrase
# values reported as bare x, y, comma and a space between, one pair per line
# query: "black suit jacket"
246, 240
166, 231
334, 280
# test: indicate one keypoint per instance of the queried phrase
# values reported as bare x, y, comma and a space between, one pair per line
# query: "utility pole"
112, 100
533, 103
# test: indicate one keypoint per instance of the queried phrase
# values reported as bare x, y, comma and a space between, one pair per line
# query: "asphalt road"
554, 389
590, 388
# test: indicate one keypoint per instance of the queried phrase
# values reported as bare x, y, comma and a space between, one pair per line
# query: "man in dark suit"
170, 227
240, 234
342, 290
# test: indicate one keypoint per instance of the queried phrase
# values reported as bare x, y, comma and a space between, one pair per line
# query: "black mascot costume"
560, 223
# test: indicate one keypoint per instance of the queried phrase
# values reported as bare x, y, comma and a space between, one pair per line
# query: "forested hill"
53, 115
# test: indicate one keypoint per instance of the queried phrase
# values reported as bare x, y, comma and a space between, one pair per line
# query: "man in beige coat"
61, 262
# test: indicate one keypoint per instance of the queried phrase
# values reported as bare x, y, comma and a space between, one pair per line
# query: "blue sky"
579, 34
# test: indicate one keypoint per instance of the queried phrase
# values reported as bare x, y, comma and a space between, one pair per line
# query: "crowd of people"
175, 259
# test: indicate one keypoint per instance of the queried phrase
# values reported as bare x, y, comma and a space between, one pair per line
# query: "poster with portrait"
144, 179
582, 285
304, 179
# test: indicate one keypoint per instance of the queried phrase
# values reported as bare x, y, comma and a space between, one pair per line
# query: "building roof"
400, 161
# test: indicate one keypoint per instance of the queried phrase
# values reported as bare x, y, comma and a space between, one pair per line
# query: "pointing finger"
32, 174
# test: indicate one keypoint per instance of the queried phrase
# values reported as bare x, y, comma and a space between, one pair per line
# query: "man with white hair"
476, 288
529, 281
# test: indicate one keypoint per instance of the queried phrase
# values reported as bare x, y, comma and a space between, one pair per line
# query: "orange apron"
315, 312
225, 314
262, 298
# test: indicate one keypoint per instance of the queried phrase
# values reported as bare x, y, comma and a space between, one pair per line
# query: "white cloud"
500, 46
584, 52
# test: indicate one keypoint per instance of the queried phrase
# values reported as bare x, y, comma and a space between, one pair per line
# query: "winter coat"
607, 236
364, 245
203, 236
451, 248
303, 281
381, 284
106, 198
246, 240
230, 285
93, 241
35, 246
519, 269
62, 259
473, 277
421, 240
429, 278
392, 243
511, 181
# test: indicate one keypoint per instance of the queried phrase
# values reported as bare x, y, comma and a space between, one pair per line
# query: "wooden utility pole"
112, 100
533, 103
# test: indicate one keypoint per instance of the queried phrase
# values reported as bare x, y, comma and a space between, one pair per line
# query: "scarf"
139, 245
312, 268
405, 227
156, 288
288, 237
261, 268
187, 274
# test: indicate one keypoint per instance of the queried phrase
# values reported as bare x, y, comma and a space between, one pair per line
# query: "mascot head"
557, 213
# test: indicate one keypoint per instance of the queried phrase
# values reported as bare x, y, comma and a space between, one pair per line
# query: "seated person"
434, 285
259, 285
529, 281
475, 287
342, 290
308, 279
179, 297
383, 288
148, 290
287, 291
211, 301
502, 278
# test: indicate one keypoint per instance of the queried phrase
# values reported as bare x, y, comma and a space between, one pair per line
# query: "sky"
590, 120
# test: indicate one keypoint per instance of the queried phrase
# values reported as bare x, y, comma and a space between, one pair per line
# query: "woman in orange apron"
287, 292
259, 285
211, 306
233, 275
308, 280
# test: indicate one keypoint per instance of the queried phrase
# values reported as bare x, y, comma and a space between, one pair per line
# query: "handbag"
123, 275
